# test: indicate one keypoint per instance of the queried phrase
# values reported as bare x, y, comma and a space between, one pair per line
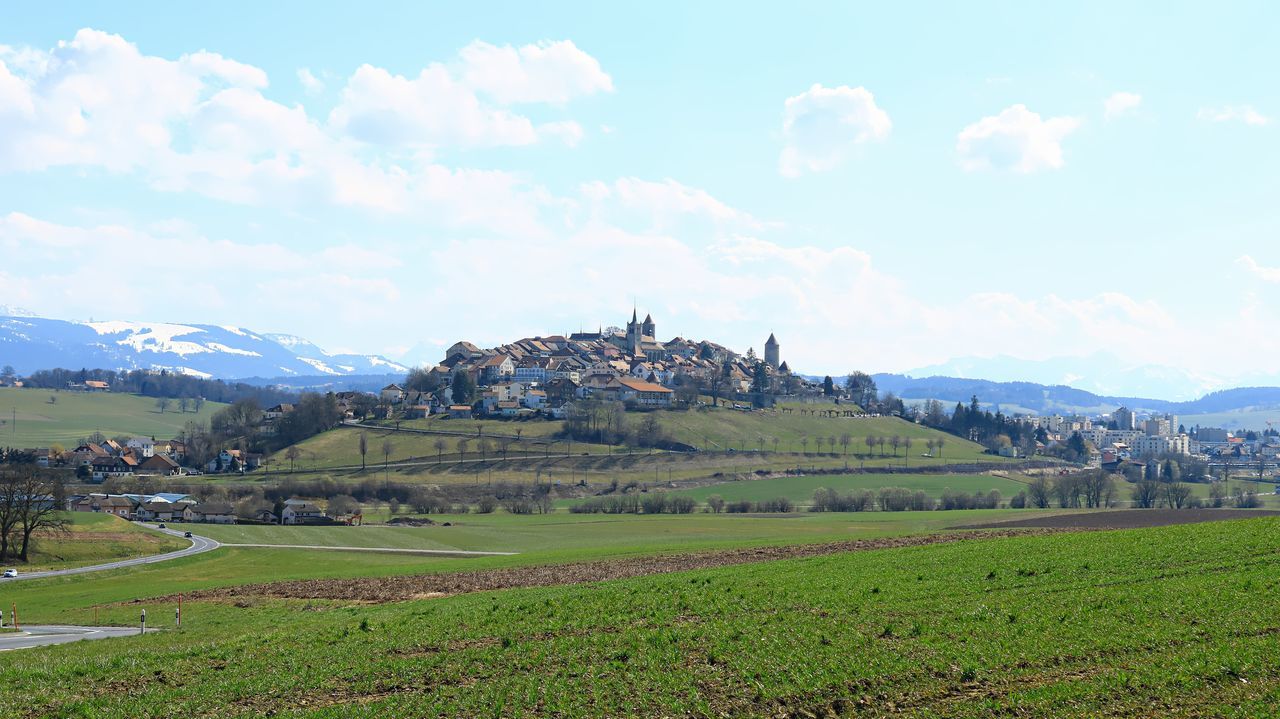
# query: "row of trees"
150, 383
30, 504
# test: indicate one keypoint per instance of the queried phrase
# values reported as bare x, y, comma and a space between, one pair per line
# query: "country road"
198, 545
47, 635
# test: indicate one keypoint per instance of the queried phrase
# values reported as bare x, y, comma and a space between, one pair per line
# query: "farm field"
75, 415
800, 489
1062, 625
94, 539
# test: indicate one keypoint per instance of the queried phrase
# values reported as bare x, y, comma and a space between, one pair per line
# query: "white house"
143, 446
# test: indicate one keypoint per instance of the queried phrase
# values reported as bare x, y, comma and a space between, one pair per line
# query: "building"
640, 392
772, 352
1124, 418
301, 513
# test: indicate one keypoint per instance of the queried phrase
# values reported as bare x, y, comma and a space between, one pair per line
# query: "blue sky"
884, 186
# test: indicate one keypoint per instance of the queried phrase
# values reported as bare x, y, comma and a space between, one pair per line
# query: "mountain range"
29, 343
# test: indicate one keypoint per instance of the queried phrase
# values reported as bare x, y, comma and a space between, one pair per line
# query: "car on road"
187, 535
163, 527
10, 573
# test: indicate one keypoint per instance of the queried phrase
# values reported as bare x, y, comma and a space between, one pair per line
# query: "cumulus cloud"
1017, 140
1119, 104
1233, 113
312, 84
822, 125
553, 72
202, 123
1262, 272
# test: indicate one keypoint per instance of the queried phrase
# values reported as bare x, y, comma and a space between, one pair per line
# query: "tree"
29, 505
861, 389
880, 441
1038, 492
387, 448
162, 404
1176, 494
895, 441
828, 386
439, 445
343, 504
483, 447
870, 441
804, 443
198, 403
183, 404
364, 448
421, 379
463, 388
845, 440
1146, 493
716, 503
938, 443
292, 454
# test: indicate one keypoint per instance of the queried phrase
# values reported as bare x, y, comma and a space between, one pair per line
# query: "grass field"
94, 539
733, 442
1156, 622
75, 415
800, 489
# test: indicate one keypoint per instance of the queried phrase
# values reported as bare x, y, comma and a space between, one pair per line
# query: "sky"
884, 186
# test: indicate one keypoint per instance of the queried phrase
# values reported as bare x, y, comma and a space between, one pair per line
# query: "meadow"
800, 489
94, 539
1155, 622
72, 416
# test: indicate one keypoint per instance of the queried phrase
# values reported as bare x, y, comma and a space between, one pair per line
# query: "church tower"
634, 331
649, 329
772, 351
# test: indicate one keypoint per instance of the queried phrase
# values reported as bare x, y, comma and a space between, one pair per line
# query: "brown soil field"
427, 586
1126, 519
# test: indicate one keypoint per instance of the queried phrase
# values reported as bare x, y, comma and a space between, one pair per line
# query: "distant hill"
33, 343
1047, 399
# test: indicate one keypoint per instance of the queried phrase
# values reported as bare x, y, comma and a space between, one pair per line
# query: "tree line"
161, 384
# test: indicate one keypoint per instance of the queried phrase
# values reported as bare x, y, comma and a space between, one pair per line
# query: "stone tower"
649, 329
772, 351
634, 331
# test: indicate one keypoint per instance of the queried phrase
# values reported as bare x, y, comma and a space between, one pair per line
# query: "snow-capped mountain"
32, 343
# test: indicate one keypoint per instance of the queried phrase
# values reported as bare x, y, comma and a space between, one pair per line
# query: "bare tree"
439, 444
895, 441
364, 448
804, 444
387, 448
831, 443
845, 440
292, 454
939, 442
906, 447
870, 441
880, 441
1038, 491
198, 403
30, 504
162, 404
775, 445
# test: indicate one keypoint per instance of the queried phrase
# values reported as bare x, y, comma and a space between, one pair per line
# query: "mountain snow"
33, 343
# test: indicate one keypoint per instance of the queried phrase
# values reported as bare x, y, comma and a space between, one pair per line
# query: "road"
198, 546
43, 636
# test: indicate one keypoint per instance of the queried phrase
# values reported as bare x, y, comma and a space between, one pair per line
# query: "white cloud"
312, 84
201, 123
822, 125
1262, 272
546, 72
1233, 113
664, 204
1120, 104
1017, 140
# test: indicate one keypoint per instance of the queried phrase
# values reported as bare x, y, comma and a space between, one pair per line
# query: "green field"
95, 539
75, 415
1157, 622
730, 442
800, 489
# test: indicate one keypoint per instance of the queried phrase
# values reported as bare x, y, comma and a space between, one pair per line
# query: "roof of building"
640, 385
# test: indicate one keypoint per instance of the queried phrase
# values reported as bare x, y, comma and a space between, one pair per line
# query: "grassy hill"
94, 539
729, 441
71, 416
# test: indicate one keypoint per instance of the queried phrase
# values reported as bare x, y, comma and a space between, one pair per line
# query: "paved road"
198, 545
439, 552
43, 636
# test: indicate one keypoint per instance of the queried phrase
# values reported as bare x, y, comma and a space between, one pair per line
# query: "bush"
1018, 501
716, 503
486, 505
777, 504
740, 507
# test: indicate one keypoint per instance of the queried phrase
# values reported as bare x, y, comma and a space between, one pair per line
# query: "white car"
10, 573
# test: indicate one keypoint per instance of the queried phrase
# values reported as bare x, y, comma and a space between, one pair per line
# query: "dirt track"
393, 589
1126, 519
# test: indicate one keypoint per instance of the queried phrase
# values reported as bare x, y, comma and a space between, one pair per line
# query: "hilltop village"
628, 364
